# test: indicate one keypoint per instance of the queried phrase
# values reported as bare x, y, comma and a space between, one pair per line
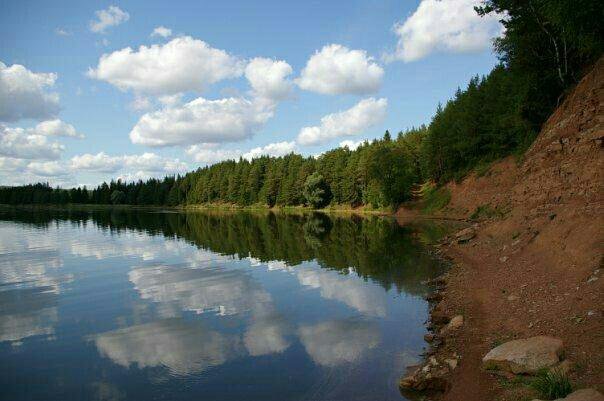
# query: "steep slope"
535, 266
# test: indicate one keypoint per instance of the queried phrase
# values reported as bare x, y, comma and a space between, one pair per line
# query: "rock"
465, 235
439, 318
429, 337
525, 356
586, 394
503, 259
452, 363
429, 377
453, 325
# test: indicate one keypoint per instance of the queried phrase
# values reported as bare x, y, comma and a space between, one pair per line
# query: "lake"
160, 305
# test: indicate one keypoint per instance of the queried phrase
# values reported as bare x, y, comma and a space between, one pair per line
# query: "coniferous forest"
546, 49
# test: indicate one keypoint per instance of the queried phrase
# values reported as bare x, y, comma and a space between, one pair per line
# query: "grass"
433, 198
487, 211
552, 384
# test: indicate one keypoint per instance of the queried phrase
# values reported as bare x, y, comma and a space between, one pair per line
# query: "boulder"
527, 355
586, 394
465, 235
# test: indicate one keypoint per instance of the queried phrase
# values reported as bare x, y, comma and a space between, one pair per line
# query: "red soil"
534, 269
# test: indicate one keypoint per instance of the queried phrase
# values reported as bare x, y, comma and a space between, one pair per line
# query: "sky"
95, 90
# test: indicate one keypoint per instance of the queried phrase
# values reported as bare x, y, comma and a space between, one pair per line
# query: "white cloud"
100, 162
339, 341
20, 144
47, 169
171, 100
268, 78
272, 149
161, 31
338, 70
365, 114
12, 164
202, 120
184, 347
352, 145
205, 154
150, 162
367, 299
56, 128
183, 64
444, 26
23, 94
143, 164
112, 16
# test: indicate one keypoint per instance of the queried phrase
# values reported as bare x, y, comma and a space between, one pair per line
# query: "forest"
546, 49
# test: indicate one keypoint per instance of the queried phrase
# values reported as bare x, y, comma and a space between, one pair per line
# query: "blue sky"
178, 99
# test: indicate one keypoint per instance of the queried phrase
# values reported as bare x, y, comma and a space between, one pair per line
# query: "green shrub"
433, 198
552, 384
487, 211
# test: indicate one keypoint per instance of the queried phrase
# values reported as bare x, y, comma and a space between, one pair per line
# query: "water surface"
116, 305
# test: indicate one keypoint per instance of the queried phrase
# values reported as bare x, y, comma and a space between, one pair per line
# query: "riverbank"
531, 262
219, 207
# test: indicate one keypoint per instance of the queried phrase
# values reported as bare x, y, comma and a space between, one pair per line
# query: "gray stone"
527, 355
465, 235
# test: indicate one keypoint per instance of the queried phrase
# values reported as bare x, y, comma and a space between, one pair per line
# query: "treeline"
545, 50
150, 192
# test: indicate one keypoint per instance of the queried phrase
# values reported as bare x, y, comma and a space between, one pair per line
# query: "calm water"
116, 305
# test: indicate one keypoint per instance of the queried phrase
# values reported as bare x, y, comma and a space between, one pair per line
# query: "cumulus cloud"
352, 145
365, 114
444, 26
181, 346
19, 143
56, 128
338, 342
272, 149
12, 164
268, 78
202, 120
368, 300
145, 163
23, 94
183, 64
109, 17
206, 154
47, 169
161, 31
339, 70
100, 162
